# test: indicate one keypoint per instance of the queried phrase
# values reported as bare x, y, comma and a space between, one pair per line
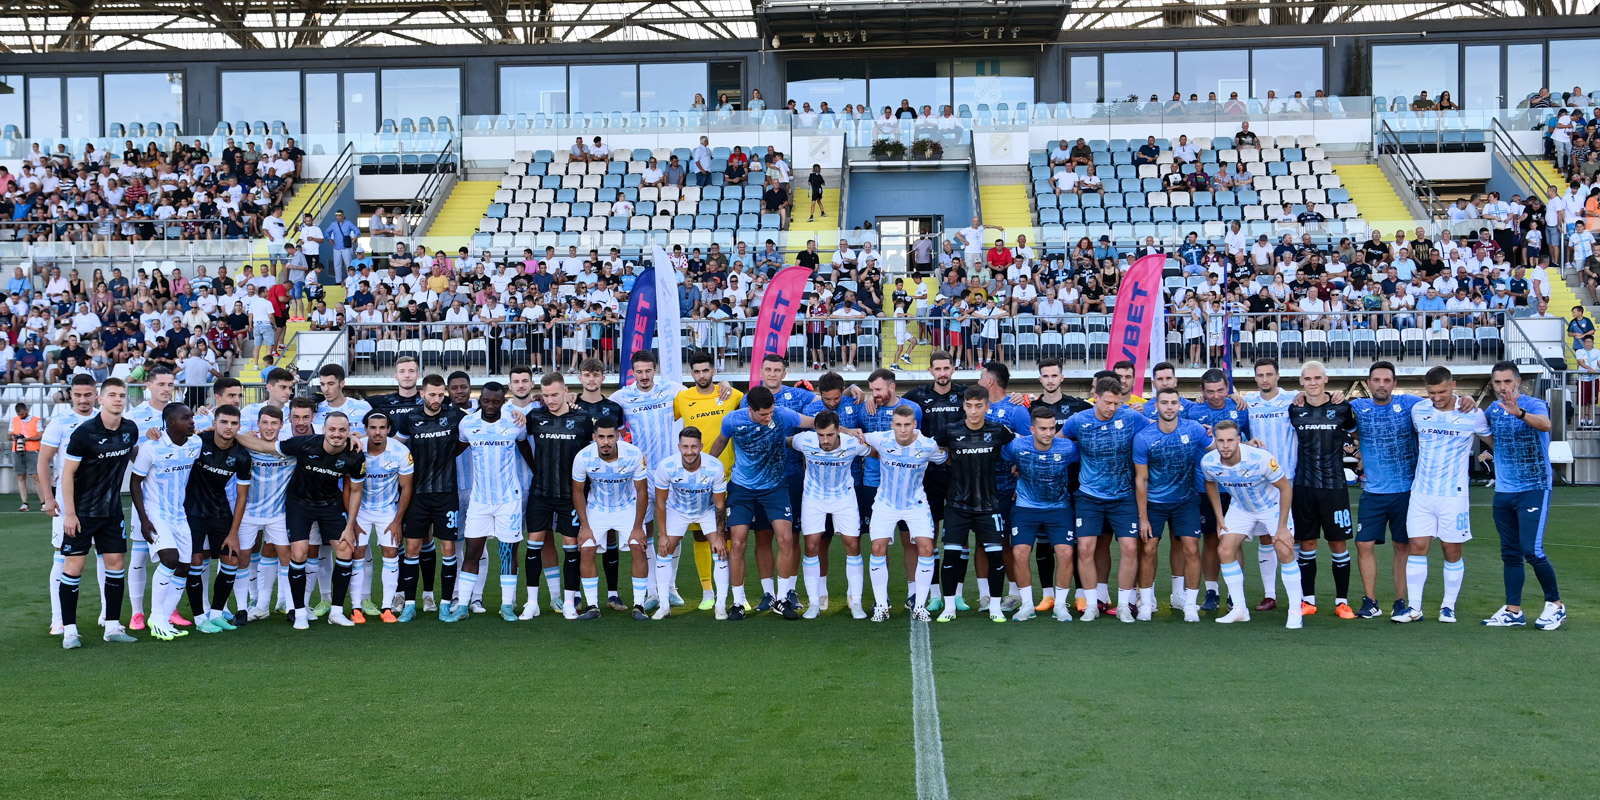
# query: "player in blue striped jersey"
158, 389
1388, 445
648, 411
690, 489
331, 380
383, 505
1104, 503
613, 473
1440, 508
1270, 426
1521, 426
1043, 511
885, 399
829, 497
904, 454
160, 482
264, 513
82, 395
1262, 500
1166, 459
831, 396
493, 443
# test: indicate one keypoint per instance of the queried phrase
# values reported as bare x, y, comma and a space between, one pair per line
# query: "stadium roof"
37, 26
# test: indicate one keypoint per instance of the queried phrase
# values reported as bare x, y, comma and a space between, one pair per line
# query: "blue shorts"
1031, 525
746, 507
1182, 518
1380, 511
1095, 516
297, 289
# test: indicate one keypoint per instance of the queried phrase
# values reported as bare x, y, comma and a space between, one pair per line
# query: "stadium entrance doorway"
898, 235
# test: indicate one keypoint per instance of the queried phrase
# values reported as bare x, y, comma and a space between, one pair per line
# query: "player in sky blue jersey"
383, 505
610, 490
885, 399
829, 503
160, 482
831, 396
1388, 444
1166, 457
1163, 376
1521, 426
158, 388
1104, 504
1043, 510
494, 443
904, 454
1262, 500
690, 489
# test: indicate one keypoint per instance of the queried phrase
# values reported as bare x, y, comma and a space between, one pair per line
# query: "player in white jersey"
903, 455
383, 505
52, 453
265, 514
160, 483
494, 443
1269, 425
613, 472
1440, 507
647, 412
158, 389
829, 493
1262, 498
280, 390
690, 489
331, 380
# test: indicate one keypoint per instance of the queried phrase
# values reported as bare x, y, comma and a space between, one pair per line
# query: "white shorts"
277, 532
172, 534
678, 525
370, 523
499, 521
604, 522
1448, 519
918, 520
814, 516
1253, 523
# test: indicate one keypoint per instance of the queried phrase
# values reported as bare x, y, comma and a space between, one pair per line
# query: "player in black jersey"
591, 374
324, 490
556, 433
1053, 398
407, 398
214, 521
1321, 501
973, 504
431, 433
97, 456
940, 402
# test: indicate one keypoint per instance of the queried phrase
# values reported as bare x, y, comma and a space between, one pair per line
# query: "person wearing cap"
1105, 249
342, 236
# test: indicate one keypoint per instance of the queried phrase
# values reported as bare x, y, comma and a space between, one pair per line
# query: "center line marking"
931, 782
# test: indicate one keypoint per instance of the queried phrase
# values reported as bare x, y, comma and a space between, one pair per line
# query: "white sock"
243, 582
1123, 596
1290, 573
911, 586
138, 573
1011, 588
1103, 591
786, 585
1416, 578
360, 583
719, 581
391, 579
552, 582
672, 570
508, 589
205, 585
364, 567
100, 580
663, 577
994, 602
313, 572
853, 574
324, 576
483, 577
650, 571
961, 588
1048, 592
768, 586
161, 593
1027, 596
812, 567
1147, 597
1233, 575
283, 584
591, 590
1211, 586
1191, 597
1267, 560
465, 581
1454, 573
924, 579
878, 566
641, 590
56, 562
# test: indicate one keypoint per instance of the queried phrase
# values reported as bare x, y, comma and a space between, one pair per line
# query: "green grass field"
767, 708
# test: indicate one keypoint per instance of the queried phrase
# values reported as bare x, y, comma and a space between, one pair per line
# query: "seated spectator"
1174, 180
1241, 177
1147, 152
774, 200
578, 151
1311, 216
1062, 155
1245, 138
1090, 182
1185, 151
622, 206
1233, 106
1066, 180
674, 173
653, 175
1199, 180
599, 151
738, 169
1446, 103
1422, 103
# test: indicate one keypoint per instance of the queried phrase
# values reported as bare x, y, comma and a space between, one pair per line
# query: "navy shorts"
1380, 511
1182, 518
747, 507
1208, 520
1095, 516
1053, 525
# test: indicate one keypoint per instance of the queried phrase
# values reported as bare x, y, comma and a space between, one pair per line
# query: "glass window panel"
837, 82
1285, 70
1138, 75
1525, 73
1572, 65
83, 107
1403, 70
670, 87
421, 93
144, 97
1085, 79
1481, 78
264, 96
605, 87
44, 108
993, 81
923, 81
322, 102
533, 90
1201, 72
12, 106
361, 102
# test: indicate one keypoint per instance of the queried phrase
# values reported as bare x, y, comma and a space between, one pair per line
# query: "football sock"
853, 574
1124, 598
138, 572
113, 581
1191, 597
533, 567
953, 569
1011, 588
553, 580
391, 580
1267, 560
641, 590
410, 571
1308, 574
56, 562
591, 591
325, 572
465, 582
924, 579
1454, 573
224, 587
650, 567
738, 591
483, 580
1147, 597
67, 595
427, 561
313, 567
703, 563
1211, 586
1062, 595
1103, 591
672, 572
878, 567
569, 568
1292, 584
244, 582
812, 566
343, 570
769, 586
1341, 576
447, 577
719, 577
1027, 596
205, 588
1045, 556
167, 585
1233, 575
283, 583
612, 561
664, 576
1416, 577
508, 569
786, 585
361, 580
100, 572
997, 573
297, 585
1177, 585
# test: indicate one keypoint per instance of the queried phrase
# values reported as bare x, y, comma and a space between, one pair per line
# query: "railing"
327, 187
1538, 185
1389, 144
78, 229
421, 204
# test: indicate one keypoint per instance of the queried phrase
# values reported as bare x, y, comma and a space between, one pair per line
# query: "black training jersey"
974, 455
556, 440
601, 409
1323, 431
432, 440
318, 474
395, 406
208, 481
103, 456
939, 411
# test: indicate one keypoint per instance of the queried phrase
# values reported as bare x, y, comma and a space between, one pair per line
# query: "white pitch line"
931, 784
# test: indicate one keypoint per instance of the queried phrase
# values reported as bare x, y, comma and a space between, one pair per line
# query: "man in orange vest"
25, 435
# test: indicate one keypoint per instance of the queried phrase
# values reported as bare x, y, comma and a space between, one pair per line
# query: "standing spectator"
26, 432
311, 239
700, 162
817, 182
342, 238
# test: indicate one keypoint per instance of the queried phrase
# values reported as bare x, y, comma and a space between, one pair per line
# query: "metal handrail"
326, 188
417, 206
1514, 153
1389, 144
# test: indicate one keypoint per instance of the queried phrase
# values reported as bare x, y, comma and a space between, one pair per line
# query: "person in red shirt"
999, 256
278, 295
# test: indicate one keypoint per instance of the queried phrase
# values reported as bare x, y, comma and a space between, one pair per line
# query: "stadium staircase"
801, 230
1006, 205
463, 208
1372, 192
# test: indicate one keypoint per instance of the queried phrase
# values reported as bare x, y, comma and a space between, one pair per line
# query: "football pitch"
834, 707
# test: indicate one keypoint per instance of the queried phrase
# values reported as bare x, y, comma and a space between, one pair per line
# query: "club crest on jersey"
1233, 415
1118, 424
1184, 438
570, 423
127, 437
1328, 413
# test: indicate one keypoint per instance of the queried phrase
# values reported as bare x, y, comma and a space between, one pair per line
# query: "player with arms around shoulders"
830, 494
98, 452
434, 513
494, 442
1105, 497
903, 454
1388, 444
1166, 461
81, 395
690, 489
610, 492
1262, 499
557, 431
1042, 514
1322, 426
975, 449
1521, 427
383, 506
214, 520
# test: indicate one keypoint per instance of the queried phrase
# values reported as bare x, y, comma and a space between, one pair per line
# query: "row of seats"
1180, 214
658, 222
1151, 192
257, 128
645, 208
631, 241
1146, 172
661, 154
406, 163
515, 190
441, 124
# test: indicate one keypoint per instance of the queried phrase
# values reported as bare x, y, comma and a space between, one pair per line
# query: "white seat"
1282, 142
